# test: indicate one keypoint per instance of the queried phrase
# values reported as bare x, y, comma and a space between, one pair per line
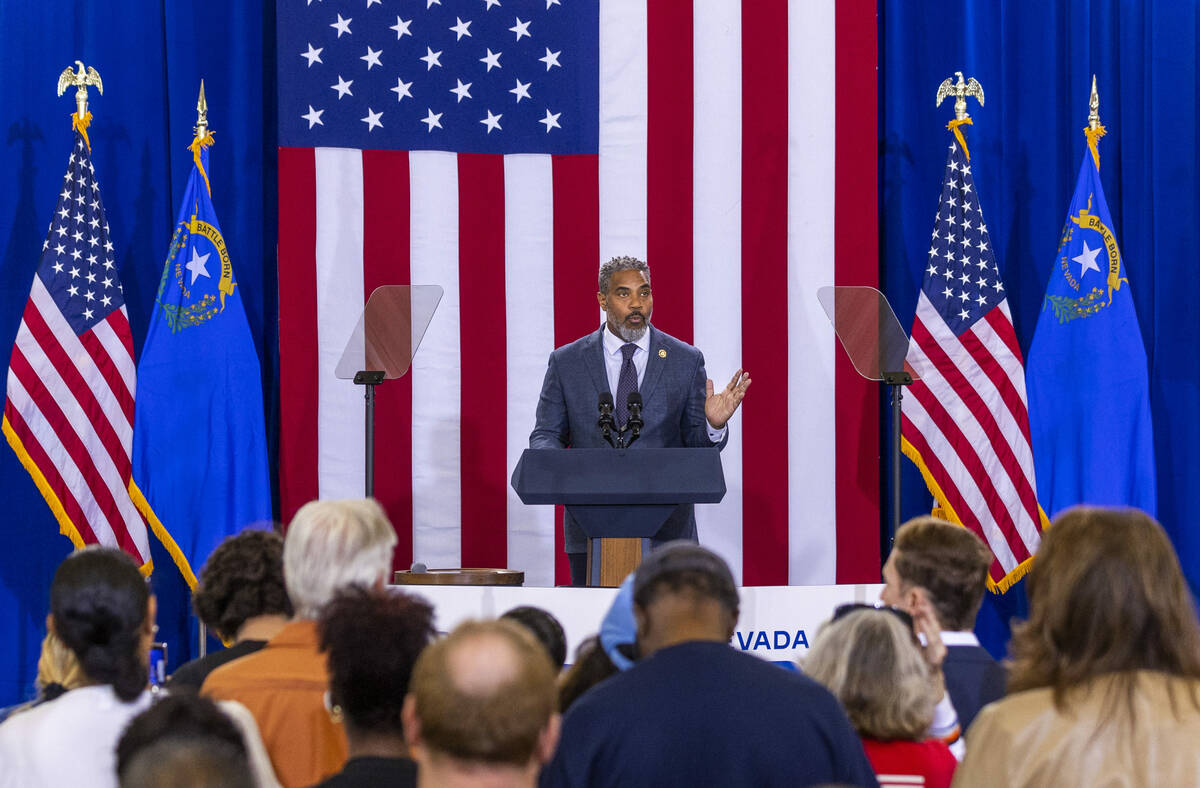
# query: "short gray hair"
870, 661
333, 544
621, 264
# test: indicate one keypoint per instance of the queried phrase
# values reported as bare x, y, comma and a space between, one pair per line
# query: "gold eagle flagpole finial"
960, 90
80, 80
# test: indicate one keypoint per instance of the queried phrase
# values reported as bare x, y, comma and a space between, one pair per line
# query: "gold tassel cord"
81, 125
1093, 142
958, 135
199, 143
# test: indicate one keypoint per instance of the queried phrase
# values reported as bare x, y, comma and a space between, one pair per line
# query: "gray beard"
630, 334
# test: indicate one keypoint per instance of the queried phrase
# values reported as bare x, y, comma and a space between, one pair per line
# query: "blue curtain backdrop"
1034, 61
151, 56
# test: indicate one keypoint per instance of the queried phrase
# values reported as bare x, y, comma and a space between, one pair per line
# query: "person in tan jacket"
1105, 680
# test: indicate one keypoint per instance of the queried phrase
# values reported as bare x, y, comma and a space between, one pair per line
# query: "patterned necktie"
626, 383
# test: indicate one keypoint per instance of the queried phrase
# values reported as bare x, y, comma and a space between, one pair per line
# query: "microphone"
418, 568
605, 422
634, 403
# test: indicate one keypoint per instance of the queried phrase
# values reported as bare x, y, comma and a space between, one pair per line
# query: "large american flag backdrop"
502, 149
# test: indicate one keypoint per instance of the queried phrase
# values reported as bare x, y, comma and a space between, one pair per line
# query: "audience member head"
482, 700
333, 544
946, 562
372, 639
871, 661
189, 763
102, 610
591, 667
242, 580
1106, 596
58, 668
185, 718
545, 627
683, 592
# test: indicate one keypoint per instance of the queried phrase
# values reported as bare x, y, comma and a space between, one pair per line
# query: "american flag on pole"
502, 149
71, 380
965, 422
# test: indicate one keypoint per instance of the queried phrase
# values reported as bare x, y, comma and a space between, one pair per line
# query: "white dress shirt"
614, 358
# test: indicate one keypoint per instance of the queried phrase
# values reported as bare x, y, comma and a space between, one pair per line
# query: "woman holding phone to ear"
890, 685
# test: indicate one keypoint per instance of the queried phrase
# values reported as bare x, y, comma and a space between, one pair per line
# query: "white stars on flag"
445, 48
373, 120
491, 121
551, 120
521, 29
342, 26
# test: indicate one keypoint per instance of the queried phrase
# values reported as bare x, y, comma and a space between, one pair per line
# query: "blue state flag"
1087, 378
199, 441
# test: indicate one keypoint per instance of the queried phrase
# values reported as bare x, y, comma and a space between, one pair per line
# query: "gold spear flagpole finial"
203, 138
80, 80
1094, 107
201, 127
1095, 129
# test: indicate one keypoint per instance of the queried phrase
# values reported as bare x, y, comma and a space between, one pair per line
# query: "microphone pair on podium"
608, 426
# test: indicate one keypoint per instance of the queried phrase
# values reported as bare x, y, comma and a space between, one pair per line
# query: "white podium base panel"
777, 623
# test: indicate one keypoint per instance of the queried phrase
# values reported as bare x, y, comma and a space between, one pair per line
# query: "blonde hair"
58, 665
333, 544
871, 662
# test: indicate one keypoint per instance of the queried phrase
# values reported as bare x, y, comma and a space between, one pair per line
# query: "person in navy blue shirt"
696, 711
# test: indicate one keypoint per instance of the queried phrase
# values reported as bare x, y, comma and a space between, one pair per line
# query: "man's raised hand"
718, 408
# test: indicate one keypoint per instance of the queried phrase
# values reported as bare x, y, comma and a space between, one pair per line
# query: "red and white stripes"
729, 161
69, 416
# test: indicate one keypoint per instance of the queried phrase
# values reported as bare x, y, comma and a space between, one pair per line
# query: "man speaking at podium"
592, 379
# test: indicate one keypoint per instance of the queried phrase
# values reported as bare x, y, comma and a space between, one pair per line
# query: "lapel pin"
662, 353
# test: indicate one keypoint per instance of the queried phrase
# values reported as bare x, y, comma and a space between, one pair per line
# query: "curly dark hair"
99, 602
372, 639
183, 717
243, 578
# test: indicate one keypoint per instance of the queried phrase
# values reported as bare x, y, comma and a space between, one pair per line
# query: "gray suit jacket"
672, 409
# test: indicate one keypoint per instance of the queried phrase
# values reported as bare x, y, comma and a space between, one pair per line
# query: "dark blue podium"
620, 497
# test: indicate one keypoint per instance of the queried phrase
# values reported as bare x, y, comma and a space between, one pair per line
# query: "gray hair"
621, 264
870, 661
333, 544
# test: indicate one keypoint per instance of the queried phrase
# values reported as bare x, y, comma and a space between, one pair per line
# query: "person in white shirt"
102, 610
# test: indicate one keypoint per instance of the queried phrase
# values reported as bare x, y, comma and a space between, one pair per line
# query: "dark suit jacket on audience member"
672, 408
973, 680
703, 713
373, 773
191, 675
